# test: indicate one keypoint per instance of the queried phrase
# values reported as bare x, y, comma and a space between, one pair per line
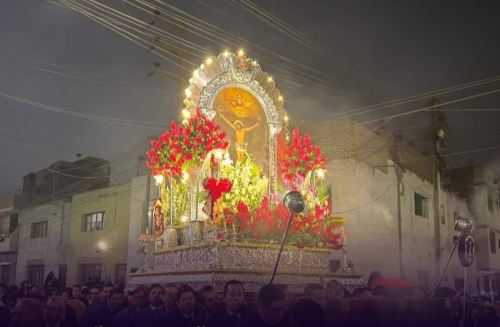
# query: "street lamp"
100, 248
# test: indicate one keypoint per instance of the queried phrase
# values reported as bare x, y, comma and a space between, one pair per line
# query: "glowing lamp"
286, 118
280, 98
255, 63
158, 179
225, 53
241, 53
184, 219
270, 79
188, 92
186, 114
209, 61
101, 246
196, 73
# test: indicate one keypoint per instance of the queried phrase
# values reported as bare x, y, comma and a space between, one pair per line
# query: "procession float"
222, 173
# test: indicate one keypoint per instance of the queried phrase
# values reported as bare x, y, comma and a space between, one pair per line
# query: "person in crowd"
105, 291
76, 293
54, 312
271, 309
185, 313
208, 304
129, 317
154, 313
102, 314
362, 293
95, 295
335, 290
4, 309
307, 313
315, 292
27, 313
233, 308
170, 298
375, 275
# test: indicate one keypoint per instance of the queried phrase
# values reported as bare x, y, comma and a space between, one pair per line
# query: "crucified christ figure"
240, 132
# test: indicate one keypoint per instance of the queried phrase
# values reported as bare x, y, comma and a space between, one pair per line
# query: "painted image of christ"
240, 132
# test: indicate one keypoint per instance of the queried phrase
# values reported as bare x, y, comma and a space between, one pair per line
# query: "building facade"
9, 235
98, 237
43, 242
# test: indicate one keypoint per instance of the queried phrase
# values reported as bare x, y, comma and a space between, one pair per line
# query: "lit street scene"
249, 163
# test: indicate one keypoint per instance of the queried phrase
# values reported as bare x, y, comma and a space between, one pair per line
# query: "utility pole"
398, 170
438, 130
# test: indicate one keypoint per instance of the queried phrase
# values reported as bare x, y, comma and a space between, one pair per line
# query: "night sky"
62, 74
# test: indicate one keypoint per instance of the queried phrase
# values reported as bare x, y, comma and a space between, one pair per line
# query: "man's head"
115, 298
26, 312
207, 298
139, 297
95, 294
54, 310
315, 292
186, 299
76, 291
170, 298
271, 304
334, 289
155, 295
105, 291
234, 295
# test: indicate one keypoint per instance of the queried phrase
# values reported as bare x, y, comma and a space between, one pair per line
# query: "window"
493, 242
423, 279
63, 269
490, 200
39, 229
421, 205
90, 273
93, 222
35, 275
14, 219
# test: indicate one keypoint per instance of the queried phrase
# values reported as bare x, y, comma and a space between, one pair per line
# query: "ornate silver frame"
231, 70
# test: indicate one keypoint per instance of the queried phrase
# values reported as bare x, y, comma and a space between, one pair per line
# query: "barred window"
39, 229
93, 222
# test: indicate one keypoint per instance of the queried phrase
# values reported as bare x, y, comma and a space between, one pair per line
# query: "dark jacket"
99, 315
255, 320
128, 317
149, 317
222, 318
177, 319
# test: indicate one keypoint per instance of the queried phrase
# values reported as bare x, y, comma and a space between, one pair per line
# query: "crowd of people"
181, 306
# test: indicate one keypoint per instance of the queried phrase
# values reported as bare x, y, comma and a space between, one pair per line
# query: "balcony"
8, 242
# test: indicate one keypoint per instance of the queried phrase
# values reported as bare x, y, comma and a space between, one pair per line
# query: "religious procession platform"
251, 263
222, 174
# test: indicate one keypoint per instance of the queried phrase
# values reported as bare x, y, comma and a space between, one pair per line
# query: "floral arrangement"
185, 146
300, 158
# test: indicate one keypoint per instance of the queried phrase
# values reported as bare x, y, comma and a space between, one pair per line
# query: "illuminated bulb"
158, 179
186, 114
185, 177
255, 63
270, 79
202, 66
286, 118
102, 246
188, 92
280, 98
184, 219
241, 52
196, 73
225, 53
209, 61
320, 173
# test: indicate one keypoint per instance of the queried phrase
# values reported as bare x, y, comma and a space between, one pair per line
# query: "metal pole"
283, 240
465, 299
171, 201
